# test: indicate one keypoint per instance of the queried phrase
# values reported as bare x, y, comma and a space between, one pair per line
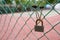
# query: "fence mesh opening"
18, 17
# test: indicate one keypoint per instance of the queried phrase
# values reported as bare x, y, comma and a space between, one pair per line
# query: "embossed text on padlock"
39, 28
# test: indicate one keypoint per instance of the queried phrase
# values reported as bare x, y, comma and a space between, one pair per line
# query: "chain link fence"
17, 20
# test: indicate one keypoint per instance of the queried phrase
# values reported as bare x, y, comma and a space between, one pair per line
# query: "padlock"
39, 28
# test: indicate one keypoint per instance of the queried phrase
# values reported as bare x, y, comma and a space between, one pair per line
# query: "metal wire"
27, 26
34, 10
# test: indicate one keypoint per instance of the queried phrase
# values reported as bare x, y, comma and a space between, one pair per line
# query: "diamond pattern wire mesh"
20, 26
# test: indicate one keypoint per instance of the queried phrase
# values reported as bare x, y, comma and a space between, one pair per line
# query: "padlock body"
39, 28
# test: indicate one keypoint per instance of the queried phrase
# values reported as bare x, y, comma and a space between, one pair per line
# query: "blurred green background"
11, 6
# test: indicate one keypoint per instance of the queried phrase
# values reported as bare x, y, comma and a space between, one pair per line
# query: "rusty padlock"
39, 28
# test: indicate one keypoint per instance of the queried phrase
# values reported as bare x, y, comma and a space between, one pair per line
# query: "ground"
11, 26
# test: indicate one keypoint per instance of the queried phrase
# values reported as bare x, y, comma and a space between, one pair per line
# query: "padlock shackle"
40, 21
